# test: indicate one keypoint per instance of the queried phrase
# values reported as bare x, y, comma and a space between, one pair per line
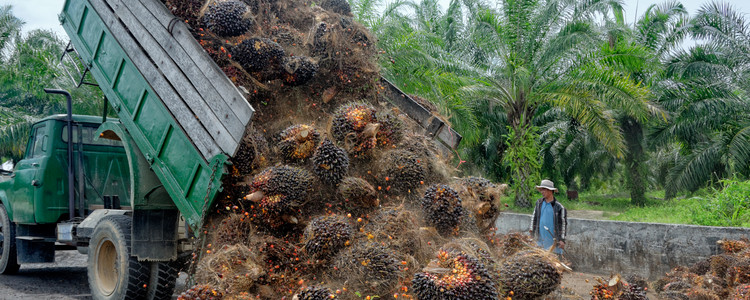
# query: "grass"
617, 207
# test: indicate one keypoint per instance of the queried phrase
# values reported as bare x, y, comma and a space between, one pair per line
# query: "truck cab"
36, 192
73, 191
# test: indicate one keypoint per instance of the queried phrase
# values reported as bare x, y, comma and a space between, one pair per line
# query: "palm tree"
708, 122
727, 31
706, 95
640, 53
28, 64
10, 28
32, 65
422, 45
543, 54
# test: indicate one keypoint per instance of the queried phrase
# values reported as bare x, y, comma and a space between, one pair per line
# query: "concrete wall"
646, 249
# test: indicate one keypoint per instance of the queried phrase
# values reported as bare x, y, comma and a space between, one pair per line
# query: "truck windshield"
88, 132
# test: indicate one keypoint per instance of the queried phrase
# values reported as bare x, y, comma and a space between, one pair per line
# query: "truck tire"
162, 280
8, 256
113, 273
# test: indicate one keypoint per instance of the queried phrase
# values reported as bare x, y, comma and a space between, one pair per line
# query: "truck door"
27, 184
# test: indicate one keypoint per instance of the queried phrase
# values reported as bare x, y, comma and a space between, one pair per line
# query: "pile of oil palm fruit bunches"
335, 193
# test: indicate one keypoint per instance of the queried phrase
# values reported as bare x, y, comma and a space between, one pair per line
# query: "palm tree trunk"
522, 156
634, 159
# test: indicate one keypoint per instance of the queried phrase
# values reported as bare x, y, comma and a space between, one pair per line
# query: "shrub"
725, 207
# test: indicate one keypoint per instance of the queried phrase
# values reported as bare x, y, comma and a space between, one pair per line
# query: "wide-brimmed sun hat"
546, 184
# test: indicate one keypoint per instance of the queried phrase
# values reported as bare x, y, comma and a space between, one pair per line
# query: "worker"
550, 220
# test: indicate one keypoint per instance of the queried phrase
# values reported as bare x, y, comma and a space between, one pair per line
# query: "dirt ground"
577, 285
66, 280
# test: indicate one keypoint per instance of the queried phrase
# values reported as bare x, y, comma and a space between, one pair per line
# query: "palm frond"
13, 139
722, 24
693, 170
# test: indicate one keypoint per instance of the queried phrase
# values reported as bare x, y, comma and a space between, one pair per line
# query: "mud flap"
155, 234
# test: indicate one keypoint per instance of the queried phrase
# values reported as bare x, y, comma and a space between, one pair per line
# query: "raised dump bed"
184, 114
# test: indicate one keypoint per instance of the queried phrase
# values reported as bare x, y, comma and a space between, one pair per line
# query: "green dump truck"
116, 189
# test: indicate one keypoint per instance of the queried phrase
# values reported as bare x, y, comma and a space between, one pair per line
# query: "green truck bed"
184, 115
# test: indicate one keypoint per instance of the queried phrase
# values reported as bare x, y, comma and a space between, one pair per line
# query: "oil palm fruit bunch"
280, 255
740, 292
291, 182
390, 131
257, 54
601, 292
401, 230
298, 70
297, 142
673, 295
528, 275
330, 163
228, 18
326, 235
476, 183
739, 272
634, 292
369, 267
721, 263
401, 171
637, 280
714, 284
251, 152
734, 246
275, 192
337, 6
454, 275
243, 160
314, 293
701, 267
234, 229
692, 294
442, 208
511, 243
355, 125
201, 292
320, 44
358, 191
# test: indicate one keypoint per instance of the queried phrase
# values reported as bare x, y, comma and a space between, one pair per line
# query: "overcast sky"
43, 13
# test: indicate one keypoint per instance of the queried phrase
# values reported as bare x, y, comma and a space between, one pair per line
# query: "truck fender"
86, 228
6, 203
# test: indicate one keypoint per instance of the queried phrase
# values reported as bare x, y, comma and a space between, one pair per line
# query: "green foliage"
729, 206
28, 64
570, 154
13, 140
522, 158
10, 26
670, 212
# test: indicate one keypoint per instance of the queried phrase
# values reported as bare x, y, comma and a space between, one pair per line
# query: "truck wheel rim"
106, 269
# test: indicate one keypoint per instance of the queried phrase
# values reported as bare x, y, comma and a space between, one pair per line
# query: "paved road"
65, 279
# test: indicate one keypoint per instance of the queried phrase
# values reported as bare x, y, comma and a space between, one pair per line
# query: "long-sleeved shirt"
560, 219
